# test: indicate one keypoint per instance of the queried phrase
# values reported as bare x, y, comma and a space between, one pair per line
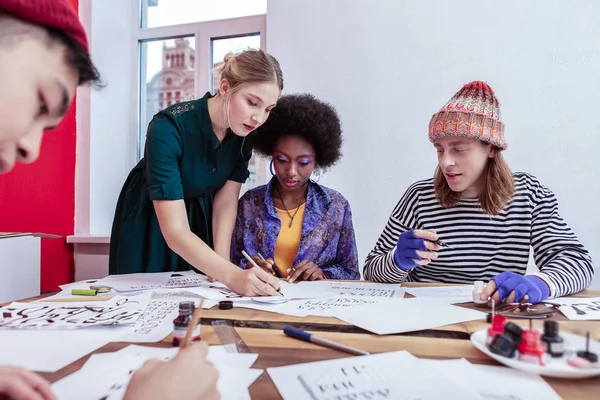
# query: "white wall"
389, 65
113, 138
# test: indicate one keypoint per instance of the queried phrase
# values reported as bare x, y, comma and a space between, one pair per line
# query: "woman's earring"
318, 176
271, 168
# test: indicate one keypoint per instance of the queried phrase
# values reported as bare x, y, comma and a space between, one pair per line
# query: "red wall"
40, 197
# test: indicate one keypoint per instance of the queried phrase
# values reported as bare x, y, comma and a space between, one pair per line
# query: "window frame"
88, 179
203, 34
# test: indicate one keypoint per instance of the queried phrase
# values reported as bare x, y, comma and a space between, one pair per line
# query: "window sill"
80, 239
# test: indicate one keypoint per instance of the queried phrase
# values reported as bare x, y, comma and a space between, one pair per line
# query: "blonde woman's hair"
498, 190
250, 66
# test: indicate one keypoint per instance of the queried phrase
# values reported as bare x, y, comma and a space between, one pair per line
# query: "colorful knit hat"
58, 14
473, 112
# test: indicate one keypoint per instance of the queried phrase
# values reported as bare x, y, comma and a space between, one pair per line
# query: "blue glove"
406, 250
534, 287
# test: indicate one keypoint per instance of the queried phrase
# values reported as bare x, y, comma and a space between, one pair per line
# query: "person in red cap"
43, 58
487, 216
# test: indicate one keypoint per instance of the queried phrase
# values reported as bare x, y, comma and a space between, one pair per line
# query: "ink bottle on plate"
553, 342
183, 320
531, 348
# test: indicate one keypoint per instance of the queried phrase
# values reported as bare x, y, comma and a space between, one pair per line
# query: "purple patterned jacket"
327, 232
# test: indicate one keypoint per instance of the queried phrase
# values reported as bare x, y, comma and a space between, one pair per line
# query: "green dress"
183, 159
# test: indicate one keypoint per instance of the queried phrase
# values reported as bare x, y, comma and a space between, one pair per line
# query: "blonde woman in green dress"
178, 206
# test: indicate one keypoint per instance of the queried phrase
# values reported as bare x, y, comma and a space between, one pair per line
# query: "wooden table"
263, 333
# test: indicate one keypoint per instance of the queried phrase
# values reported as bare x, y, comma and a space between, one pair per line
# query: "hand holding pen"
433, 238
416, 248
254, 264
270, 266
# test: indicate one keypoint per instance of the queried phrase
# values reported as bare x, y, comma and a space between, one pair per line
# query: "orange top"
288, 240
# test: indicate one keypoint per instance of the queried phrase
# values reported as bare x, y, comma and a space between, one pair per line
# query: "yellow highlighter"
84, 292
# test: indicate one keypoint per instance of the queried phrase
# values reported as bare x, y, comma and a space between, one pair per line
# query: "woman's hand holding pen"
416, 248
177, 378
305, 271
265, 264
253, 282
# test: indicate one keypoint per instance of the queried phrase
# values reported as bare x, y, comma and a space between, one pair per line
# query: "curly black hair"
305, 116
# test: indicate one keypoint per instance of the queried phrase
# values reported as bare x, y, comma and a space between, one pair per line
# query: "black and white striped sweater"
485, 245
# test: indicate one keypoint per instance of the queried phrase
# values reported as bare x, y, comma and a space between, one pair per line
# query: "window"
157, 13
151, 53
180, 42
221, 46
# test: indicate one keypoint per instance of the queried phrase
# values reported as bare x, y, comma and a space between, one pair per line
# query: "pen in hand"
273, 267
255, 265
438, 242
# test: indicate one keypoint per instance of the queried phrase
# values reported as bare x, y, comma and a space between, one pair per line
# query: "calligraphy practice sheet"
579, 308
156, 321
359, 288
117, 311
448, 294
106, 376
395, 375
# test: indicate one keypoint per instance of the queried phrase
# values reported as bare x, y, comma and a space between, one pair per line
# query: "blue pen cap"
297, 333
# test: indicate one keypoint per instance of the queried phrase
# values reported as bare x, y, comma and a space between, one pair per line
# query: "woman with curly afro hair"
302, 228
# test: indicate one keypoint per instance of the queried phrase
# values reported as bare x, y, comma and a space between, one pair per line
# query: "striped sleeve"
379, 264
564, 264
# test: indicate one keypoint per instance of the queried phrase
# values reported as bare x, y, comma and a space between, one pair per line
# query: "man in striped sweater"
488, 216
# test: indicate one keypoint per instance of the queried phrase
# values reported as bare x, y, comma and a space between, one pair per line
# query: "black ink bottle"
506, 343
551, 340
183, 320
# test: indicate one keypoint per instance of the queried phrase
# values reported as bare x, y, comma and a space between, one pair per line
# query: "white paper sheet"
448, 294
69, 315
395, 375
485, 379
156, 321
217, 355
579, 309
66, 294
49, 351
358, 288
133, 282
291, 291
106, 375
303, 308
79, 284
190, 279
301, 291
406, 315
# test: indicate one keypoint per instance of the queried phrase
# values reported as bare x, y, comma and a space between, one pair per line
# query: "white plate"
555, 367
270, 300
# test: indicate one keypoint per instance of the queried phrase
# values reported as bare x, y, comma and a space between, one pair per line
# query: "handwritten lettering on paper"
186, 280
123, 311
156, 321
332, 303
347, 382
365, 289
581, 309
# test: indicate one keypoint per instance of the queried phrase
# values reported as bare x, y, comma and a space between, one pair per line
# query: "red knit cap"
473, 112
58, 14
